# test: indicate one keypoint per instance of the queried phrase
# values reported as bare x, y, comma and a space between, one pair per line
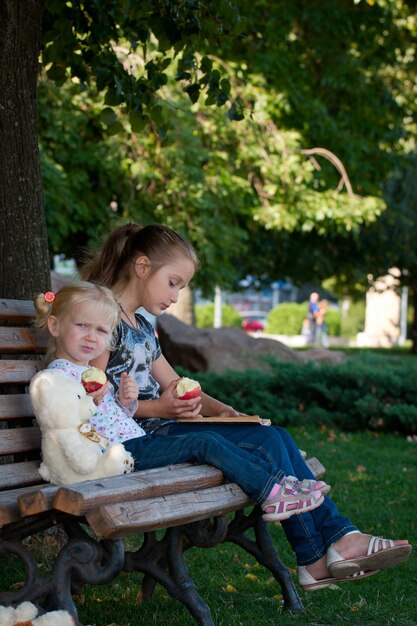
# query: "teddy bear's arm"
81, 454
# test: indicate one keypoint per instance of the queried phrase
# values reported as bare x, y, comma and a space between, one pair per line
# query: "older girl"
147, 267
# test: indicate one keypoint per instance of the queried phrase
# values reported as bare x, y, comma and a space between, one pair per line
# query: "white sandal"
382, 554
309, 583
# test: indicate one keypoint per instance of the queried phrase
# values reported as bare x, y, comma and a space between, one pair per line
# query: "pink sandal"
289, 502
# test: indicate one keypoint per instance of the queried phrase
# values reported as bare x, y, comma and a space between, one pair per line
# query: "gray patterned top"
136, 350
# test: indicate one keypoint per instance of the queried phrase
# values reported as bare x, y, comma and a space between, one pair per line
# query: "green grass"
373, 480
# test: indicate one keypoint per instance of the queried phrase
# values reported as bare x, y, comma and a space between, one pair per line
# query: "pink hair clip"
49, 296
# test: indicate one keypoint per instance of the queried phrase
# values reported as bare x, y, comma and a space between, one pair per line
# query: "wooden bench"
190, 502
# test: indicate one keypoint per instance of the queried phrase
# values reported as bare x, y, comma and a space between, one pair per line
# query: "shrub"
204, 315
353, 396
333, 321
286, 318
353, 319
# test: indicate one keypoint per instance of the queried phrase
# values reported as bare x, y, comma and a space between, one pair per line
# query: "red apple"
187, 389
93, 379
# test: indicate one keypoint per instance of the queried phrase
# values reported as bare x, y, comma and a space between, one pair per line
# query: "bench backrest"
21, 349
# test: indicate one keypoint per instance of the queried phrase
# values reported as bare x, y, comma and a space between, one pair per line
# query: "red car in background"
253, 321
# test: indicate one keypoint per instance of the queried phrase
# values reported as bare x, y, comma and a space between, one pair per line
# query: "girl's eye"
103, 331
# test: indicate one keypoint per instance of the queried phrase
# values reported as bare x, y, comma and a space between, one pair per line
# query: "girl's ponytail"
107, 266
112, 263
43, 306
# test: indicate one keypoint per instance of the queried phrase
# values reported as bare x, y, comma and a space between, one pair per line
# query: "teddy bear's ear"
42, 384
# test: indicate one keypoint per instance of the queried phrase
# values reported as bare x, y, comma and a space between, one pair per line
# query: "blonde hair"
66, 298
112, 263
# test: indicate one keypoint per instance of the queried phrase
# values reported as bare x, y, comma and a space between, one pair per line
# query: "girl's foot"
285, 501
357, 551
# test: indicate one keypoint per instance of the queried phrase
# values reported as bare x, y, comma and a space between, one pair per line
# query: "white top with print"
111, 419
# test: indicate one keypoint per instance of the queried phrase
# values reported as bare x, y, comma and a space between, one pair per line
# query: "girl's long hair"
112, 263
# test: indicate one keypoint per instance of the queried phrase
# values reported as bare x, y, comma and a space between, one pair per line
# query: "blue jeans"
254, 475
309, 534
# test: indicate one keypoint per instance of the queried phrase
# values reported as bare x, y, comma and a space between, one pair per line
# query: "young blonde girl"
81, 319
147, 267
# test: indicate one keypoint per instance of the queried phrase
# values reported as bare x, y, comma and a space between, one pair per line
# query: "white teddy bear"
26, 614
72, 451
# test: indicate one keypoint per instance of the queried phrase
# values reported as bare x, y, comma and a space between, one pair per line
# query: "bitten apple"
188, 389
93, 379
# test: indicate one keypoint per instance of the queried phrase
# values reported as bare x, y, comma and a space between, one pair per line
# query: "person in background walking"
322, 335
313, 310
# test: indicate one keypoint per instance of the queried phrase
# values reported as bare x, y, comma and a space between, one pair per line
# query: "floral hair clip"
49, 296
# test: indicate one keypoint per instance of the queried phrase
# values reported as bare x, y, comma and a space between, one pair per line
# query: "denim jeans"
253, 474
309, 534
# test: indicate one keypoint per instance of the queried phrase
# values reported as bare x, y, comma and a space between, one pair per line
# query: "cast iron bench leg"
264, 552
162, 561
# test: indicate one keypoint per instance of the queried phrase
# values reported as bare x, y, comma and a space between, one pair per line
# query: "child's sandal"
288, 502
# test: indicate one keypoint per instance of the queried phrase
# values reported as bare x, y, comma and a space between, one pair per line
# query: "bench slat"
9, 510
119, 520
16, 311
19, 372
14, 440
83, 497
13, 406
19, 474
16, 340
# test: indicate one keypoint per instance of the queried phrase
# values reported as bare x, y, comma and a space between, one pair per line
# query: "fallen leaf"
331, 436
230, 589
361, 469
251, 577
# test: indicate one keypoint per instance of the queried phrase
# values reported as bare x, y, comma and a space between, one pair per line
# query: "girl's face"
163, 286
82, 334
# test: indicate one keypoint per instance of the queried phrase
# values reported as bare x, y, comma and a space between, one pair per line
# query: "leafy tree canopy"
251, 196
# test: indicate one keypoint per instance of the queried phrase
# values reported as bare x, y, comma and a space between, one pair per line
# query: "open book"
240, 419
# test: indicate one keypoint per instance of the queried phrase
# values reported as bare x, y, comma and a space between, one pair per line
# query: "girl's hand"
170, 406
100, 393
128, 390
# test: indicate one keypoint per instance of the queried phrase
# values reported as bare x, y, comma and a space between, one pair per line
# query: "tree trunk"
24, 262
413, 289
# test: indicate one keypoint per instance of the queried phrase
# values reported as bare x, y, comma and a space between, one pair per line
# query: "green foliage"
204, 316
358, 395
96, 43
239, 191
333, 322
286, 318
353, 319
